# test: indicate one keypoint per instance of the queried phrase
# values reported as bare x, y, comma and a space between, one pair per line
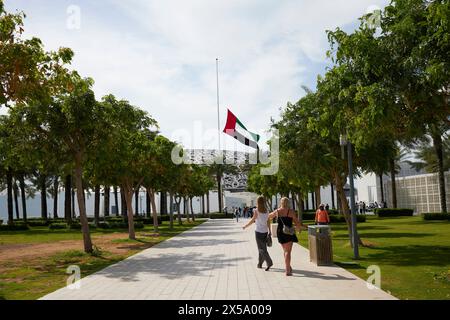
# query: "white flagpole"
218, 103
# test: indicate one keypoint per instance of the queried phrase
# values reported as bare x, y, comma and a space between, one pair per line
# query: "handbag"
269, 240
290, 231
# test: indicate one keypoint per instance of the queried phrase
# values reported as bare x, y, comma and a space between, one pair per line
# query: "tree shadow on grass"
413, 255
389, 235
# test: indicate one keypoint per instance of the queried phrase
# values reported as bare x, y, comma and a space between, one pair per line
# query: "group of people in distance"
288, 224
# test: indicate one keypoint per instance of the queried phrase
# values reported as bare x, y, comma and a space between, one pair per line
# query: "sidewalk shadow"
313, 274
169, 266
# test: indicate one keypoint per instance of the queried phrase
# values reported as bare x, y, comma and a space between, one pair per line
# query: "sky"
161, 55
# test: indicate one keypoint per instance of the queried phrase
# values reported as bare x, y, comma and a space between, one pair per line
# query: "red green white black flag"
237, 130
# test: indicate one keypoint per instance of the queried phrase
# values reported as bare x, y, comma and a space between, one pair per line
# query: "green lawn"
30, 279
414, 255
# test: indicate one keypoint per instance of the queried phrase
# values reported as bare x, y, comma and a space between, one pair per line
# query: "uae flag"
237, 130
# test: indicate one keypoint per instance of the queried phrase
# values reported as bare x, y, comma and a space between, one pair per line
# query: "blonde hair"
261, 205
285, 203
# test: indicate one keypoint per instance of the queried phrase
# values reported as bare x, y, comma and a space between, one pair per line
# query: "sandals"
289, 274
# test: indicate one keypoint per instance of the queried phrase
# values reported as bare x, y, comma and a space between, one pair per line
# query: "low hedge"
361, 218
331, 212
75, 225
17, 226
394, 212
436, 216
39, 223
119, 225
220, 216
334, 218
58, 226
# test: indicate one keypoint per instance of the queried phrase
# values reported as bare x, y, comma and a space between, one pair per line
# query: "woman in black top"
288, 218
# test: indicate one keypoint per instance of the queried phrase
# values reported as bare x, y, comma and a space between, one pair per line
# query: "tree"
401, 73
219, 170
27, 72
126, 153
74, 124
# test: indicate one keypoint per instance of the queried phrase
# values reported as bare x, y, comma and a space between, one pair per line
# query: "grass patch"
414, 255
31, 279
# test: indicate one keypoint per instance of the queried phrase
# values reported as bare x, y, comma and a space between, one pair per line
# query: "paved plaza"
217, 261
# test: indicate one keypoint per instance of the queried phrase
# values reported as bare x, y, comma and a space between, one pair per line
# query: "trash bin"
320, 245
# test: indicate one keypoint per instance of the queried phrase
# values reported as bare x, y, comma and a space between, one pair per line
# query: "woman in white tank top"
262, 232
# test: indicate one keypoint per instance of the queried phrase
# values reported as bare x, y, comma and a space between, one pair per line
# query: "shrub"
39, 222
1, 222
309, 216
58, 226
341, 219
331, 212
394, 212
436, 216
75, 226
149, 221
17, 226
220, 216
119, 225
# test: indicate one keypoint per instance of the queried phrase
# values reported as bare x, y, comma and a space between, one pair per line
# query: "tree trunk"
294, 204
127, 190
208, 211
307, 201
171, 211
9, 187
344, 205
381, 187
16, 199
192, 210
186, 209
332, 196
68, 198
155, 214
136, 201
203, 205
24, 197
346, 209
338, 201
116, 200
44, 212
301, 206
178, 202
219, 192
148, 205
318, 197
163, 203
97, 205
55, 197
313, 201
437, 142
74, 215
393, 183
81, 205
106, 201
123, 203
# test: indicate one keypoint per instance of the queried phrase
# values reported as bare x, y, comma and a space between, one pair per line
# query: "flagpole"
218, 102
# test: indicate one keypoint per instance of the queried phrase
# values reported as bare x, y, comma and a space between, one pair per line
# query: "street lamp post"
344, 141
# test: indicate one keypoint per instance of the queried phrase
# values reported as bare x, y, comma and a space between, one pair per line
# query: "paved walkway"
217, 261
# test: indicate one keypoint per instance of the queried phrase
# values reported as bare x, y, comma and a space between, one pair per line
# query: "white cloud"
161, 55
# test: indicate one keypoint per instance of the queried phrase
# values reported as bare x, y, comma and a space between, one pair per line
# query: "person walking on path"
322, 216
261, 219
286, 233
